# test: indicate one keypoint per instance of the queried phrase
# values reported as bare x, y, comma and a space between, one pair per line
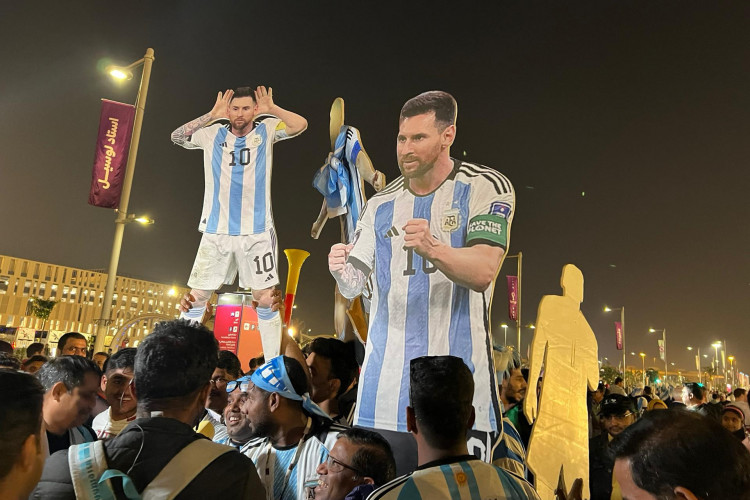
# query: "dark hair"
739, 392
70, 370
435, 101
618, 380
231, 363
441, 393
6, 347
123, 359
244, 92
20, 415
64, 339
34, 349
696, 389
34, 359
9, 361
374, 457
647, 390
677, 443
173, 362
341, 355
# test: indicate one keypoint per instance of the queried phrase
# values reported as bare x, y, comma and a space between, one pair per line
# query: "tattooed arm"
183, 133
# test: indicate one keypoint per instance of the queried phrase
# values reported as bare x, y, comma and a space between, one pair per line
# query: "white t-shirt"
106, 428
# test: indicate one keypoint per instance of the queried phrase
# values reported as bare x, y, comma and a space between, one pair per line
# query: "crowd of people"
177, 415
433, 411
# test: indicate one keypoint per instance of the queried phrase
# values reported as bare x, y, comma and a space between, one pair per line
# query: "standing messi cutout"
237, 223
433, 240
341, 181
566, 345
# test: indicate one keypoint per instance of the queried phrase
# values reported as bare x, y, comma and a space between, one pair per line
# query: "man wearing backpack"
159, 455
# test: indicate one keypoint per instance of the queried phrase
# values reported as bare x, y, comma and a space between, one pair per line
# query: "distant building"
79, 293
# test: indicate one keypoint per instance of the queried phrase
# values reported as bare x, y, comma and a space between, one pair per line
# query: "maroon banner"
513, 297
618, 335
111, 155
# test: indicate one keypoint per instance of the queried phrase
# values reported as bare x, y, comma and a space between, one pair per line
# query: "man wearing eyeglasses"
227, 369
360, 461
617, 414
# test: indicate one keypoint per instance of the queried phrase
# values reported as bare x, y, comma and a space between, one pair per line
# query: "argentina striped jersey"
459, 480
416, 309
237, 172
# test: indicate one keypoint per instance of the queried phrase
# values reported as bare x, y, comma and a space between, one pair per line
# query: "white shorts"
220, 256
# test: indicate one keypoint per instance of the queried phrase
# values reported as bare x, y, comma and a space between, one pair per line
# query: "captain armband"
489, 229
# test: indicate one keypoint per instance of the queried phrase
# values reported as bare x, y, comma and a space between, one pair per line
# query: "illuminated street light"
505, 329
119, 73
172, 292
643, 362
122, 210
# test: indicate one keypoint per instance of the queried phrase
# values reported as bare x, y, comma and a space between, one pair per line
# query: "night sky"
642, 106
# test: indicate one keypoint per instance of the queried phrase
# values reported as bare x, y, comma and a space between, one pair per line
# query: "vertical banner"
111, 155
661, 348
513, 297
618, 335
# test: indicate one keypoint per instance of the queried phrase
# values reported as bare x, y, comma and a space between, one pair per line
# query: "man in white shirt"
116, 385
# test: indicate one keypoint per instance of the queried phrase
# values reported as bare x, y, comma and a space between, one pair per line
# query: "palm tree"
42, 308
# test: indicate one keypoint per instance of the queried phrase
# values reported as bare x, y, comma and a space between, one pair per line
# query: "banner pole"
102, 325
518, 319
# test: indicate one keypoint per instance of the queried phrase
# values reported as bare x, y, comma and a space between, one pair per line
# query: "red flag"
513, 297
618, 335
111, 155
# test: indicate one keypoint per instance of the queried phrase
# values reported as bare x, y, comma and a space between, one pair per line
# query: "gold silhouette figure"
565, 344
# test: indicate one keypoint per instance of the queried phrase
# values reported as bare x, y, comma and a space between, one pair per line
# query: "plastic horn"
295, 258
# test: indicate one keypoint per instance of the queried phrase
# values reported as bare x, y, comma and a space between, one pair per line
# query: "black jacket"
230, 476
601, 465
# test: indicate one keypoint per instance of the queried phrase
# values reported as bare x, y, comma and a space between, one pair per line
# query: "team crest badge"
451, 220
255, 141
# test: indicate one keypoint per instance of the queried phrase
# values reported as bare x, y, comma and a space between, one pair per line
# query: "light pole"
664, 346
622, 331
505, 330
731, 368
716, 346
643, 361
122, 211
518, 256
698, 357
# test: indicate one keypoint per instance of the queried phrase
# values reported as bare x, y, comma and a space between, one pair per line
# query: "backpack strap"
183, 468
87, 463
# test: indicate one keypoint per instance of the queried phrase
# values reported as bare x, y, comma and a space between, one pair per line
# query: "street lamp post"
622, 326
505, 331
664, 346
122, 211
643, 361
716, 346
731, 369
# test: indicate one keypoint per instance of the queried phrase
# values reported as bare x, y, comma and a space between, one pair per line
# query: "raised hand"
221, 107
263, 99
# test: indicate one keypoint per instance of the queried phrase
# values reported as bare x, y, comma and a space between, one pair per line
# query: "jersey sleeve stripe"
259, 209
502, 184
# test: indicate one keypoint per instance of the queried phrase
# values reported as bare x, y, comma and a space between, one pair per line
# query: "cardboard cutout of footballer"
237, 138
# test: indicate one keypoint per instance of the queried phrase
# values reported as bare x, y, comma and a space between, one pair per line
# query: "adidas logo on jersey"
391, 232
269, 278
